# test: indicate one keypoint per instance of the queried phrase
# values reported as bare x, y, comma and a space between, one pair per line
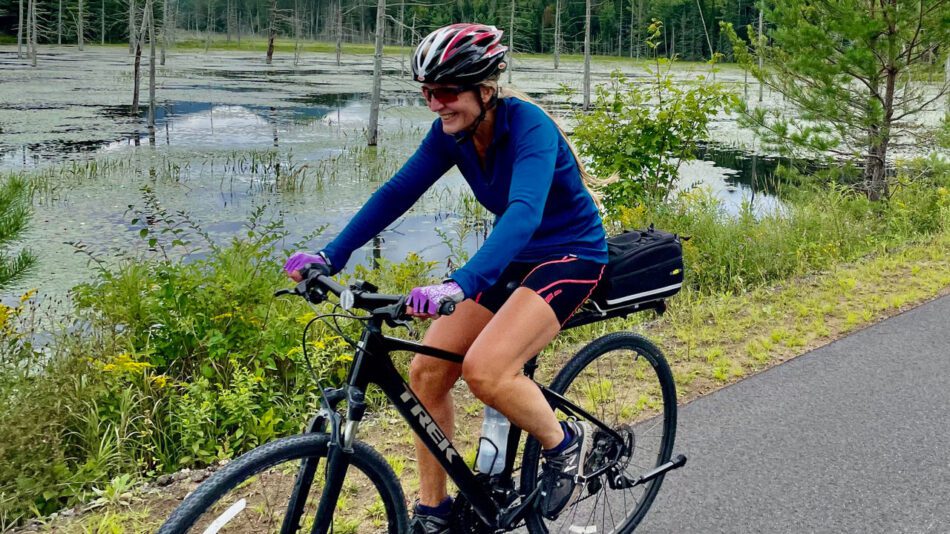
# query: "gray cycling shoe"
427, 524
558, 482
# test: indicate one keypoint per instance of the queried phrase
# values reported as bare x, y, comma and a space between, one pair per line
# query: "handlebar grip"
447, 307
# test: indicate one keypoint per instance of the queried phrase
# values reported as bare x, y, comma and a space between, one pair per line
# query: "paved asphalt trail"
853, 437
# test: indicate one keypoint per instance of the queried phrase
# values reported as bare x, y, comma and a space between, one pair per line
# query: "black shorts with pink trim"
564, 283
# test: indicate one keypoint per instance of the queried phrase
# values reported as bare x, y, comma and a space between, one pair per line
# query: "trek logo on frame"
432, 429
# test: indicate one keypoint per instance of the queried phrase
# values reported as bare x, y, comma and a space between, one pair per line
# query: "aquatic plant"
15, 214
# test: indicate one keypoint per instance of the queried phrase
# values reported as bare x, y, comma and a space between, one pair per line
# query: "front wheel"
623, 380
251, 494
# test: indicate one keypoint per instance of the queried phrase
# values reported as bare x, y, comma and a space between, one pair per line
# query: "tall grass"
818, 227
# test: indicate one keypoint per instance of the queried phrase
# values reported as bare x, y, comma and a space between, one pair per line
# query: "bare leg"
493, 365
432, 380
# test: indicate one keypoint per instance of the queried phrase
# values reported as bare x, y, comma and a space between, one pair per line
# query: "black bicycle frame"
372, 364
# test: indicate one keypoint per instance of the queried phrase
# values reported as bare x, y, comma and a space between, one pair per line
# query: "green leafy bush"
638, 133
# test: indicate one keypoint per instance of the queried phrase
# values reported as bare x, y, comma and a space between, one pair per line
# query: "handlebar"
363, 295
447, 308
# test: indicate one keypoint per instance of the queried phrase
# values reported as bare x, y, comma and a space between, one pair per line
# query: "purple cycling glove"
426, 300
299, 260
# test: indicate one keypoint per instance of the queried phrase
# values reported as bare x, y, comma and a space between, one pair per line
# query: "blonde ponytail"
591, 183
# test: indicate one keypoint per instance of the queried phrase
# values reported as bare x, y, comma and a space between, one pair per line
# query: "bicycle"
274, 487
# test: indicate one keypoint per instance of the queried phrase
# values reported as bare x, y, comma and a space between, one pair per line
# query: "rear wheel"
251, 494
623, 380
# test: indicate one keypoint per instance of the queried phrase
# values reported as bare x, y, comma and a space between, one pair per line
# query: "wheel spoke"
251, 494
624, 382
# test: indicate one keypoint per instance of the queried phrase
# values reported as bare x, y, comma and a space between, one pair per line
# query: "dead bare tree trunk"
634, 30
557, 34
339, 31
19, 33
136, 78
272, 33
639, 24
80, 27
702, 19
402, 24
227, 22
59, 24
151, 69
511, 40
31, 32
164, 36
673, 42
137, 64
209, 25
102, 22
297, 31
373, 132
620, 31
132, 36
402, 37
29, 27
587, 55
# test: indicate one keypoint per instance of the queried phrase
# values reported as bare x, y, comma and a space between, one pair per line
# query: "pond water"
233, 133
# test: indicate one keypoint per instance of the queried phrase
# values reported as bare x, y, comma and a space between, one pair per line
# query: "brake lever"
299, 290
404, 323
396, 310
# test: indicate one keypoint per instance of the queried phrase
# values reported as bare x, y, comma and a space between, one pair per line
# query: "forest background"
618, 27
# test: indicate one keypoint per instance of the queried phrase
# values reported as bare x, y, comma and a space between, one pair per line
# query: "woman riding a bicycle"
543, 259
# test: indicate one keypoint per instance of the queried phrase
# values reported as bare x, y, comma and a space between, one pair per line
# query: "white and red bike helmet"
463, 54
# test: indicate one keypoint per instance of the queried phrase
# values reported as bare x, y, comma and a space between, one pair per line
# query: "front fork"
340, 448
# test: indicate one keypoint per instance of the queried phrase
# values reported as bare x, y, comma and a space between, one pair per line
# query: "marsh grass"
472, 222
268, 170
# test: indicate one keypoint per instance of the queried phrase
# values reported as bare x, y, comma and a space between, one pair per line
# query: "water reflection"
752, 171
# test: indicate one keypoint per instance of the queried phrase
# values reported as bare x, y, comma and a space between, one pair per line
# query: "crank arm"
512, 515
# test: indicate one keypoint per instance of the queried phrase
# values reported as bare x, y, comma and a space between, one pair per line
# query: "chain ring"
465, 520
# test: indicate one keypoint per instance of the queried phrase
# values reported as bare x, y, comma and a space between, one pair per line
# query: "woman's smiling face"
456, 105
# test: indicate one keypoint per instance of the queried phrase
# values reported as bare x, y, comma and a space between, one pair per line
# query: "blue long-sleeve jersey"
530, 182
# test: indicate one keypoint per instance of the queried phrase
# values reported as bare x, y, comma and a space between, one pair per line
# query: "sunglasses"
445, 95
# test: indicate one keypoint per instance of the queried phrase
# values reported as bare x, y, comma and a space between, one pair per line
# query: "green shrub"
638, 133
171, 362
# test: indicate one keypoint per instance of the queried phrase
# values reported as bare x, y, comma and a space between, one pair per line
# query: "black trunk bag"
643, 266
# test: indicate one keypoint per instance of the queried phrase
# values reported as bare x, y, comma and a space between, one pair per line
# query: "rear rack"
592, 312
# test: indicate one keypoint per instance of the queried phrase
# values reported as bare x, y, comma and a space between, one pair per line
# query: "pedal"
514, 514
